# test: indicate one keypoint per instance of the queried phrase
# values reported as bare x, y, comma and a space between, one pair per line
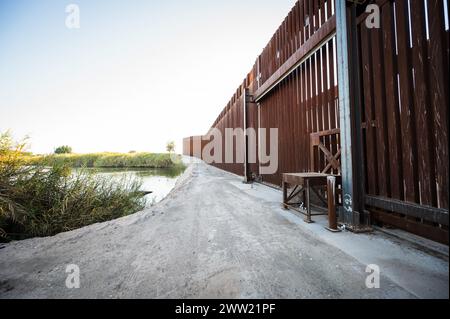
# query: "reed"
118, 160
45, 198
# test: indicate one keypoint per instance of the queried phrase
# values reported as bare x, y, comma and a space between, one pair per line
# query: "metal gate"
385, 89
403, 70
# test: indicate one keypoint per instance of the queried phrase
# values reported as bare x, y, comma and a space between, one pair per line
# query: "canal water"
159, 181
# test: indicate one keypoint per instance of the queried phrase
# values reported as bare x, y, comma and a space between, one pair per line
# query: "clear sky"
133, 76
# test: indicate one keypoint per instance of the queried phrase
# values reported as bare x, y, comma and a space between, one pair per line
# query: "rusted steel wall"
306, 100
303, 103
232, 117
303, 23
193, 146
404, 102
404, 68
187, 146
252, 122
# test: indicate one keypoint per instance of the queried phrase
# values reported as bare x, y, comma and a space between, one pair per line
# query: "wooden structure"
304, 183
395, 124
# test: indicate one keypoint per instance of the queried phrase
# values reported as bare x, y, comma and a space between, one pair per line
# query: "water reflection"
159, 181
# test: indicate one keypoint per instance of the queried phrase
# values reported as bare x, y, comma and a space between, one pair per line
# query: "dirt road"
207, 239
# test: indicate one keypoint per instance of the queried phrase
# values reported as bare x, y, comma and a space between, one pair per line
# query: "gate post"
352, 213
246, 99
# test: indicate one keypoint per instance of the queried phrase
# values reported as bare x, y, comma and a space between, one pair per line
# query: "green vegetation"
38, 200
106, 160
170, 146
65, 149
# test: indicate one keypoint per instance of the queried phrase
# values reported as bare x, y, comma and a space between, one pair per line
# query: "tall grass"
119, 160
36, 200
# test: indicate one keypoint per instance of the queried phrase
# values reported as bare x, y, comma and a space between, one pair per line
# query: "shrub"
106, 160
170, 146
65, 149
40, 201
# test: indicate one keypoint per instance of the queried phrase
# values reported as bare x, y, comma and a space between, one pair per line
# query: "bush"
65, 149
106, 160
42, 201
170, 146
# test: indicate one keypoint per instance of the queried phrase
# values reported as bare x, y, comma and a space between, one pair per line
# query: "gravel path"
206, 239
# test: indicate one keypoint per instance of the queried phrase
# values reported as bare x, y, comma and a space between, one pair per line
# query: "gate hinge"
369, 124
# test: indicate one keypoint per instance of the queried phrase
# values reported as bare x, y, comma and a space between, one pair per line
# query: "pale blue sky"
135, 75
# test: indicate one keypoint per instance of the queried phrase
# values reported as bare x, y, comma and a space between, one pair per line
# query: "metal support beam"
324, 34
431, 214
245, 99
344, 112
349, 215
356, 115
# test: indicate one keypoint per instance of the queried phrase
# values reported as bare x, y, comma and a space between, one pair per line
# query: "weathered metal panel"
438, 80
193, 146
405, 123
298, 106
404, 104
